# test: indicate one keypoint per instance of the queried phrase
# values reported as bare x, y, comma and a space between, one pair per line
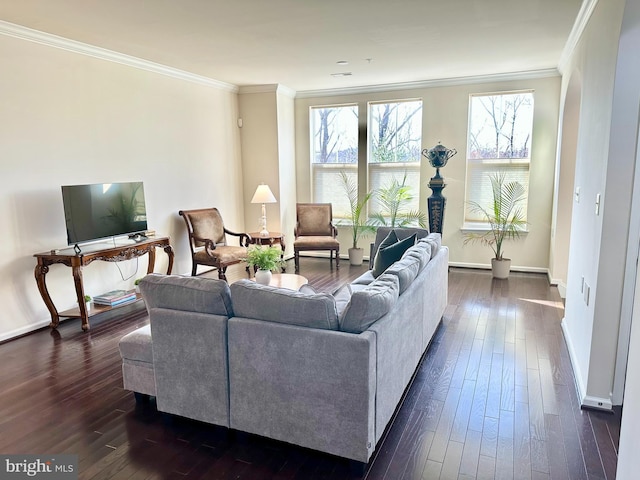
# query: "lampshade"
263, 195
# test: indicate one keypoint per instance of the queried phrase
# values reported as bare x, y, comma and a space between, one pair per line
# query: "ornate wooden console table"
122, 250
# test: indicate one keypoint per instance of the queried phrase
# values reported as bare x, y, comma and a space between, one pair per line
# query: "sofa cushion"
137, 345
406, 269
365, 279
421, 251
190, 294
390, 254
262, 302
435, 240
342, 297
369, 304
307, 289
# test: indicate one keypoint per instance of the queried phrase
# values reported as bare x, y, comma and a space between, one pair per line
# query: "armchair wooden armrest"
244, 239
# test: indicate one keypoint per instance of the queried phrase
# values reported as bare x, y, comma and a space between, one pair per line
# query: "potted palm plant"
392, 199
265, 259
505, 219
358, 224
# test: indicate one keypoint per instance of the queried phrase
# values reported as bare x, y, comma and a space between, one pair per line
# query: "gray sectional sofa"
317, 370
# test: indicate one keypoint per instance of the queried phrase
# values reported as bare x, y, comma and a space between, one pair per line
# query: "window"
500, 127
334, 149
395, 136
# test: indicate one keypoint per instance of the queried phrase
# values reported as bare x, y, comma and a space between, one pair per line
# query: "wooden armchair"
315, 231
208, 241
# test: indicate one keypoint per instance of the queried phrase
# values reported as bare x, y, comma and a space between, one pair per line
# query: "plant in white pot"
505, 218
265, 259
358, 224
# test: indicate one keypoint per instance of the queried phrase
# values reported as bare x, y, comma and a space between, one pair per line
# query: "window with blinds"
395, 138
334, 149
499, 142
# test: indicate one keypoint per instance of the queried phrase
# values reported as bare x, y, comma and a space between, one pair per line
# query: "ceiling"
297, 43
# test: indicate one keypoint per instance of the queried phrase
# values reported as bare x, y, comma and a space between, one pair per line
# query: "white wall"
259, 134
626, 108
445, 119
598, 242
68, 118
287, 166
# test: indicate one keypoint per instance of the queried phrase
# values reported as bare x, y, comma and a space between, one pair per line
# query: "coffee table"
286, 280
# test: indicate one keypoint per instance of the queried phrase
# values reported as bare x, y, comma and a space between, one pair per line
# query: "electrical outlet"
577, 194
582, 284
587, 290
598, 204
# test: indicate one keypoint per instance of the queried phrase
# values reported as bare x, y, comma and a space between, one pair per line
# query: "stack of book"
115, 297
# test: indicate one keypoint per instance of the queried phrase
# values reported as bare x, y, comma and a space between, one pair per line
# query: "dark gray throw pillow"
387, 255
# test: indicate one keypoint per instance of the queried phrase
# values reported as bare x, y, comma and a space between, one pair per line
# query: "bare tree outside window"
499, 143
500, 126
334, 145
395, 139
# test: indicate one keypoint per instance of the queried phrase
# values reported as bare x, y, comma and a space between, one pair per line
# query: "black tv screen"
103, 210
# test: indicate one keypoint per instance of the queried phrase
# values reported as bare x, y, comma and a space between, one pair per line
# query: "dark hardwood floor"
494, 397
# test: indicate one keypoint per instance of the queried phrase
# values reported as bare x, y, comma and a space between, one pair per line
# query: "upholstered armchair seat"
321, 243
315, 231
222, 254
208, 241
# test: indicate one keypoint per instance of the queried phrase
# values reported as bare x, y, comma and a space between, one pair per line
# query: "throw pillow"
390, 239
387, 256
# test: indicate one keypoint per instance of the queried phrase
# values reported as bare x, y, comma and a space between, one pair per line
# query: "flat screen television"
102, 210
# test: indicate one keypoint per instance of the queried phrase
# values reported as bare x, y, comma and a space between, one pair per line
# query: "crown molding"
48, 39
586, 9
441, 82
267, 88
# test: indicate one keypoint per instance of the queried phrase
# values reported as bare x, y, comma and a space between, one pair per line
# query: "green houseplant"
505, 218
87, 301
265, 259
392, 199
357, 217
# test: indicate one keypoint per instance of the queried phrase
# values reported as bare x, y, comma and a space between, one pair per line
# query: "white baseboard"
586, 401
485, 266
562, 289
597, 403
24, 330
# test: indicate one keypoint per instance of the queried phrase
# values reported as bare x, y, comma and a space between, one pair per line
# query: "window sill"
483, 228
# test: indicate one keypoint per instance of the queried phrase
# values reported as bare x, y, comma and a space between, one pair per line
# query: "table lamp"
263, 195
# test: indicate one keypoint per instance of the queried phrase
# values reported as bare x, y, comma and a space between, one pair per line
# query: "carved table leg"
152, 260
77, 280
40, 273
168, 249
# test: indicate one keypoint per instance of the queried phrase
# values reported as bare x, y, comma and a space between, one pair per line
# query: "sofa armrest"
310, 387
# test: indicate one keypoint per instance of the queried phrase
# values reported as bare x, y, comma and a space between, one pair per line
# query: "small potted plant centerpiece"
87, 301
265, 259
505, 218
137, 284
356, 222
